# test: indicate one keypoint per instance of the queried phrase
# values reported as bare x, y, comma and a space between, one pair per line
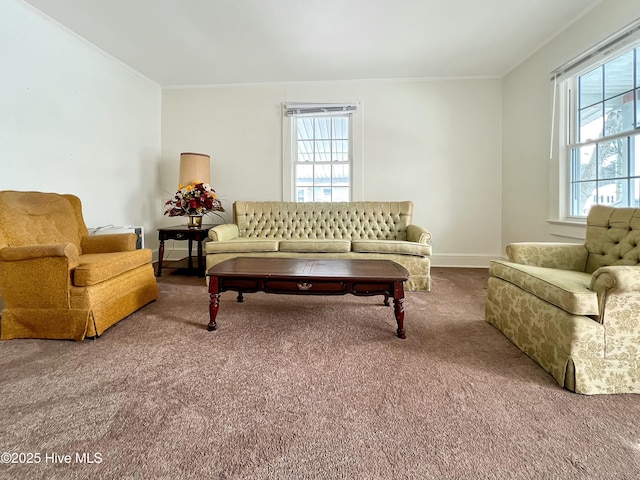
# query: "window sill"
574, 229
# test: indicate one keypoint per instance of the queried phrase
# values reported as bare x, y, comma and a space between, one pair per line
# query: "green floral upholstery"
575, 309
565, 289
320, 229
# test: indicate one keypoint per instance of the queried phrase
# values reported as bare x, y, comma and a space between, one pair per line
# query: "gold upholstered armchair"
58, 282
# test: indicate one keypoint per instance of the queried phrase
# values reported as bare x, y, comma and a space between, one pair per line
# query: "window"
322, 159
321, 152
602, 144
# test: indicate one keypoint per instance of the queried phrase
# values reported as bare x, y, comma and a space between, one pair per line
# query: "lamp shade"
195, 167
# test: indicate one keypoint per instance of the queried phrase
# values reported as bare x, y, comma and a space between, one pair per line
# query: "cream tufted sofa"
575, 309
380, 230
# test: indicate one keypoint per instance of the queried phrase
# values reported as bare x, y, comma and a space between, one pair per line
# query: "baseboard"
441, 260
462, 260
173, 254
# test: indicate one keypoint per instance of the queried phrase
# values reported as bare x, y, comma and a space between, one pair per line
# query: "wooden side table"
184, 233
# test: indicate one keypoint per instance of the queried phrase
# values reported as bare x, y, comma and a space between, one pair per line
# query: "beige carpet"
305, 388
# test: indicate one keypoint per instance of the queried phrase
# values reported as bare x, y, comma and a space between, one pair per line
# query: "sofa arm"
112, 242
418, 234
221, 233
563, 256
37, 276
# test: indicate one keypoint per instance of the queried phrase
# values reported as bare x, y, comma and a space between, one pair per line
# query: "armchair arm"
29, 252
616, 278
221, 233
618, 290
112, 242
37, 276
418, 234
563, 256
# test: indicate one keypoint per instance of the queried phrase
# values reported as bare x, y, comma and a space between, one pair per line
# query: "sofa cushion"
390, 246
94, 268
565, 289
243, 245
315, 246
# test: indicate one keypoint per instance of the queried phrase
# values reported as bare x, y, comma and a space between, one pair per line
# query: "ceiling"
208, 42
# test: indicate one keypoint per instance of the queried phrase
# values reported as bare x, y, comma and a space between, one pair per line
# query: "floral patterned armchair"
575, 309
58, 282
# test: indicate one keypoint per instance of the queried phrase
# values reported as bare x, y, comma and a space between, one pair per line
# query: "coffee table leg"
214, 303
398, 307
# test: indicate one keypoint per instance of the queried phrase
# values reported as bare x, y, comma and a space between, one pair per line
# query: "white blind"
315, 108
627, 35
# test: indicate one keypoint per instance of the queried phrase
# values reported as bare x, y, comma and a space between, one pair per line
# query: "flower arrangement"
194, 199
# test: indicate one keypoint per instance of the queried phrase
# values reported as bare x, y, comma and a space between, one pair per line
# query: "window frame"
289, 151
569, 125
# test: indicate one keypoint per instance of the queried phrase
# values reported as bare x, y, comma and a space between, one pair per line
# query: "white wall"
529, 177
435, 142
73, 120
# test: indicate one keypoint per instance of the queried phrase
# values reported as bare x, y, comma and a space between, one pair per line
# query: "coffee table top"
329, 268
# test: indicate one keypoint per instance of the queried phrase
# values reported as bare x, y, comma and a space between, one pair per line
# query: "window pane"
323, 128
322, 175
304, 194
613, 193
634, 194
341, 151
618, 114
634, 156
323, 151
341, 175
304, 175
322, 194
612, 159
590, 87
305, 128
638, 104
591, 122
583, 197
340, 194
340, 128
305, 151
618, 75
583, 163
638, 67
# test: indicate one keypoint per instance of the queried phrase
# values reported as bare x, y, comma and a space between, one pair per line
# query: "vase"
194, 221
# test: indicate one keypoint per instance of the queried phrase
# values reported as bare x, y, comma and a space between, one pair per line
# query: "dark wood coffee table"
295, 276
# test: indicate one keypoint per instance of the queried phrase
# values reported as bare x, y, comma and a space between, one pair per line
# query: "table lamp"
195, 167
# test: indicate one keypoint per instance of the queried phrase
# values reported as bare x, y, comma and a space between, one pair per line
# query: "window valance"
318, 108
